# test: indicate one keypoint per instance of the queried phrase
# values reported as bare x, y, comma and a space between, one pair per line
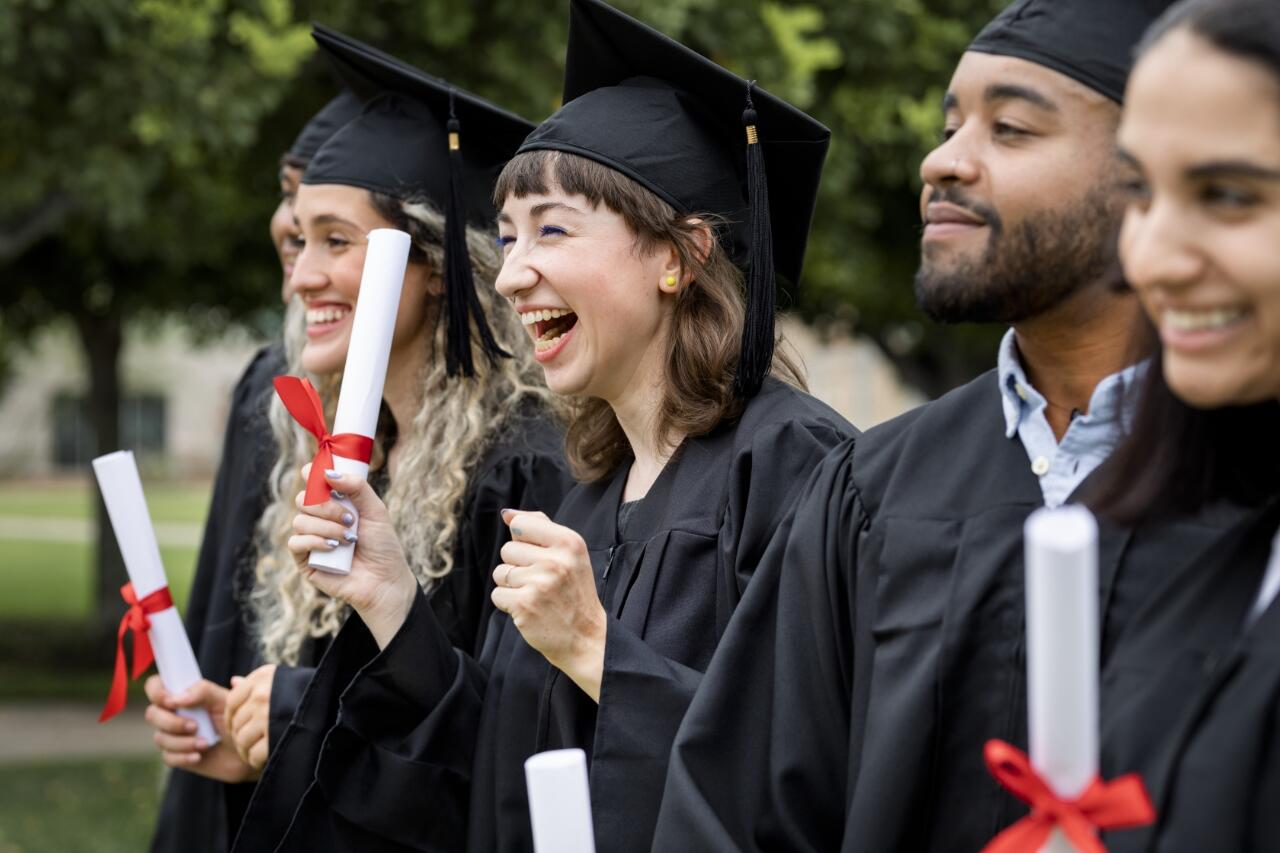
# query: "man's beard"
1026, 270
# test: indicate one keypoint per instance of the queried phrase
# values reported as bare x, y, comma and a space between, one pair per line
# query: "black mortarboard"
1090, 41
421, 137
332, 116
674, 121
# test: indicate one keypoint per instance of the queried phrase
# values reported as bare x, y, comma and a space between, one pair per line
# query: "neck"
1068, 350
636, 408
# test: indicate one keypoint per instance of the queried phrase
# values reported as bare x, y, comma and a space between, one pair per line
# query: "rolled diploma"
560, 802
360, 398
121, 489
1062, 650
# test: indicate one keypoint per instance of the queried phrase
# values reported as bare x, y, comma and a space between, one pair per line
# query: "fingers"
536, 529
300, 546
307, 525
156, 694
180, 759
201, 694
505, 600
522, 553
167, 722
506, 576
180, 743
248, 735
330, 510
258, 754
357, 490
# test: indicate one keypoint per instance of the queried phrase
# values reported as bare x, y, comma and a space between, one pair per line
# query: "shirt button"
1040, 466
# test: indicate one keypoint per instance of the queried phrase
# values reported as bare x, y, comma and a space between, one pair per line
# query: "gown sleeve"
751, 768
644, 695
379, 753
287, 688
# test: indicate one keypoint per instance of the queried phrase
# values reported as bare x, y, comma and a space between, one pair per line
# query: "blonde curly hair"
456, 421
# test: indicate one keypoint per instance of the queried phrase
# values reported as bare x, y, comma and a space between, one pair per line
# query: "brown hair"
706, 325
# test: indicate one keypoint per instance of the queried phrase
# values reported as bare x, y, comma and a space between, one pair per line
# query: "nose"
309, 274
952, 162
1157, 248
516, 275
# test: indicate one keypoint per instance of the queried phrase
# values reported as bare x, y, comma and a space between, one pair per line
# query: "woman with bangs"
1191, 694
467, 425
627, 221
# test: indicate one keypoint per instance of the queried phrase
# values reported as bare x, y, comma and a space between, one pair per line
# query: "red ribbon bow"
302, 401
1119, 804
135, 620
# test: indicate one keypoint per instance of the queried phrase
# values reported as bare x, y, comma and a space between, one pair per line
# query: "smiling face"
284, 234
333, 221
593, 301
1201, 237
1019, 201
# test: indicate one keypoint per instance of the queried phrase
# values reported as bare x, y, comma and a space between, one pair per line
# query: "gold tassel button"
752, 136
454, 145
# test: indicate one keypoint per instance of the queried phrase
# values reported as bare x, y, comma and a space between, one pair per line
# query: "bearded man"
881, 642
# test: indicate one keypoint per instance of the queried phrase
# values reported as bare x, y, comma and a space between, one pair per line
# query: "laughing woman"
621, 221
1191, 696
467, 427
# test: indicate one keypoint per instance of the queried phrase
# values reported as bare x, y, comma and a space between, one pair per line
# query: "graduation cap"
703, 140
417, 137
1090, 41
332, 116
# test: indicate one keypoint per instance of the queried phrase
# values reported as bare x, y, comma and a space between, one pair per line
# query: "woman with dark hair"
1191, 694
626, 220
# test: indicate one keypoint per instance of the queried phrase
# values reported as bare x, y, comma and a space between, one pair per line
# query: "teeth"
1192, 321
528, 318
326, 315
543, 345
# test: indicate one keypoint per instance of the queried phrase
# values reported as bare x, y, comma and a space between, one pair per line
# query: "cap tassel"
756, 359
461, 302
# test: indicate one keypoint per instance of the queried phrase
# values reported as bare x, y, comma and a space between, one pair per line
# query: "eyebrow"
1015, 92
539, 209
1004, 92
331, 219
1233, 169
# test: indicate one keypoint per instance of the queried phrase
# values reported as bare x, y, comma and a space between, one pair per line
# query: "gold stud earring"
671, 281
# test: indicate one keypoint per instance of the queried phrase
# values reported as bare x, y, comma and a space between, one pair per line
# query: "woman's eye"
551, 231
1222, 196
337, 242
1135, 189
505, 240
948, 132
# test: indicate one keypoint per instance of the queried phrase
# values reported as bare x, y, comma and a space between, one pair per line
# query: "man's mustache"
952, 195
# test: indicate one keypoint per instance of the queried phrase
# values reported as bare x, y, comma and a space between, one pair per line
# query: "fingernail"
349, 536
347, 518
337, 495
516, 531
506, 510
332, 473
201, 743
332, 543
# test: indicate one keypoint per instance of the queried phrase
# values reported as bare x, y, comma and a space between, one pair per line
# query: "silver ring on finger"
506, 577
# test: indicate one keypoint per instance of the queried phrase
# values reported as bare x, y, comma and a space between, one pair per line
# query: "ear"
671, 277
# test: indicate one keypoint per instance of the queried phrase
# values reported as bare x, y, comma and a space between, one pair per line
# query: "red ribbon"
135, 620
1119, 804
302, 401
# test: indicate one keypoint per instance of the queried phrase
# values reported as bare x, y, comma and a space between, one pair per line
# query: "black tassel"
756, 359
461, 302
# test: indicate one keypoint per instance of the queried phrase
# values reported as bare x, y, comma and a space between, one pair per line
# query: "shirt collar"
1020, 400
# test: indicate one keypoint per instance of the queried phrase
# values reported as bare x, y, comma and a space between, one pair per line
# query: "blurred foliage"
142, 136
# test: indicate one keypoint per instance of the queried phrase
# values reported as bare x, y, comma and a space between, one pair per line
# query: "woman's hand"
176, 736
380, 586
248, 713
546, 585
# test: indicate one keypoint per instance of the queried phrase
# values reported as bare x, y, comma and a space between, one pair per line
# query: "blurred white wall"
195, 381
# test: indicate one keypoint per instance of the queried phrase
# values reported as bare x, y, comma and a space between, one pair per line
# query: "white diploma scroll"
560, 802
121, 489
1062, 651
366, 370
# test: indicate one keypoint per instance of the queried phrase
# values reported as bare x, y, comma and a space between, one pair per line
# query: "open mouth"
322, 318
549, 326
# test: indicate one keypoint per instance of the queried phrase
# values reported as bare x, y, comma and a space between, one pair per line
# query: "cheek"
281, 224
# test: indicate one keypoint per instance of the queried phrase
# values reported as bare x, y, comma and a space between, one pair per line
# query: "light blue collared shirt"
1090, 438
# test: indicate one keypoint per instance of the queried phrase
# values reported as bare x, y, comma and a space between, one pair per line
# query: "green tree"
129, 129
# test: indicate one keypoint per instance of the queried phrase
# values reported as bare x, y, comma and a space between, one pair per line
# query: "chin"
322, 362
1202, 388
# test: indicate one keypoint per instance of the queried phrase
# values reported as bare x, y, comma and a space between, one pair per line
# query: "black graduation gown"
424, 747
1191, 700
200, 814
879, 647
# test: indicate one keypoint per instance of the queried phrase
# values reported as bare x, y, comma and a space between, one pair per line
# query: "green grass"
54, 580
100, 806
74, 499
